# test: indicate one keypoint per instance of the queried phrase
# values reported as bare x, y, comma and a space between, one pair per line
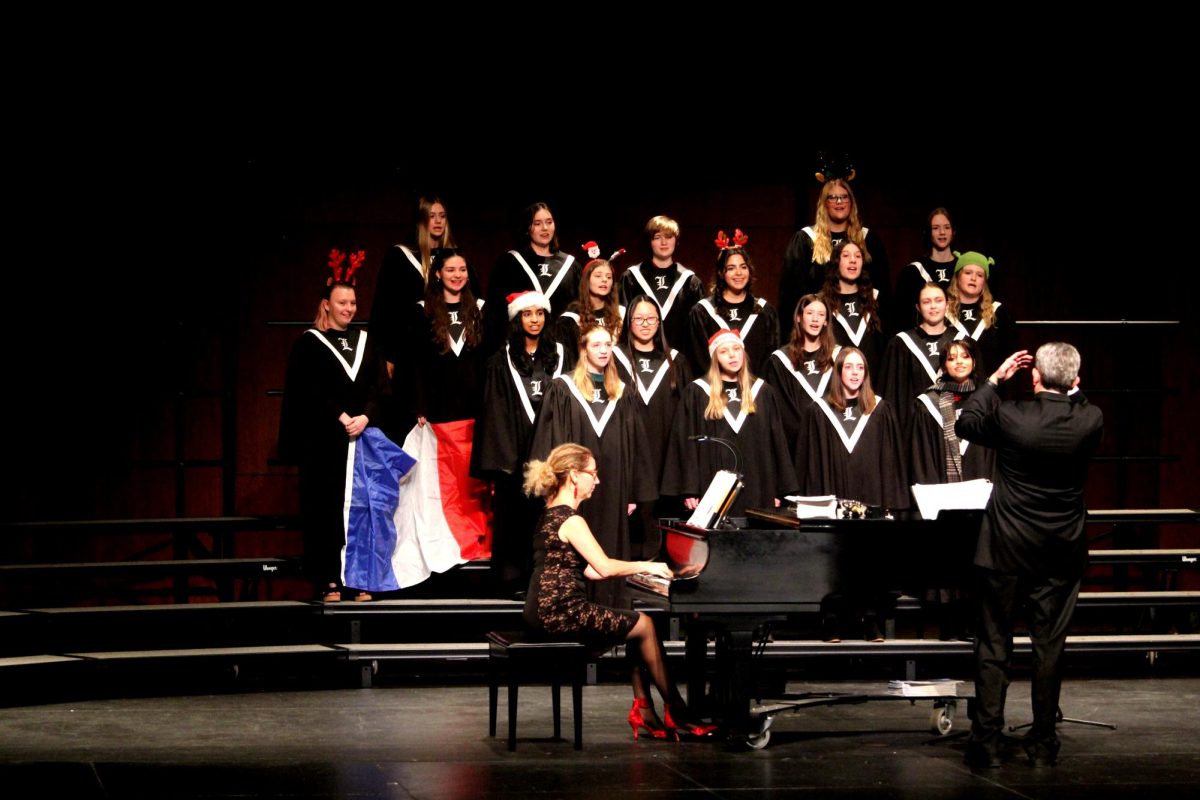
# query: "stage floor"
431, 742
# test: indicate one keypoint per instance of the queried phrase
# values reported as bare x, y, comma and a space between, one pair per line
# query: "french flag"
377, 468
444, 516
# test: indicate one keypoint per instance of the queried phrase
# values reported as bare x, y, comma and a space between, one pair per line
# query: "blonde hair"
661, 224
823, 244
716, 392
985, 302
425, 242
582, 377
321, 320
544, 478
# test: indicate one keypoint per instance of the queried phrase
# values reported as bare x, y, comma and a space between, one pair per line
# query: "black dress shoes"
982, 755
1041, 753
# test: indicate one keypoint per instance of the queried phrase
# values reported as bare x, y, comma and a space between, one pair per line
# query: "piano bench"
517, 657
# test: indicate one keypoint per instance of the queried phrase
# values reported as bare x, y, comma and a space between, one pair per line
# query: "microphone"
737, 461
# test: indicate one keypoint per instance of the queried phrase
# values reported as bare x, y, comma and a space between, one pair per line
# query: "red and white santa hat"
723, 336
519, 301
593, 252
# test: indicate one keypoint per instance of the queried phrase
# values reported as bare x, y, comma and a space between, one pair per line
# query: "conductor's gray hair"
1058, 363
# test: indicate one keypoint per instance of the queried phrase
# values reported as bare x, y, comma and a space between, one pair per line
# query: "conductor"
1031, 545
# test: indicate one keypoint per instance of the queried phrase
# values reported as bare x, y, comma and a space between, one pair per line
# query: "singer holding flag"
729, 405
331, 398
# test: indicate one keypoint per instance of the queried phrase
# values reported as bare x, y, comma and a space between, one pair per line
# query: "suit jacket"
1034, 522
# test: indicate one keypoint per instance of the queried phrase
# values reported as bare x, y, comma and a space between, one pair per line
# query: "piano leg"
695, 655
733, 685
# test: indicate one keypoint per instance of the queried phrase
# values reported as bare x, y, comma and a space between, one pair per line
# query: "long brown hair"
836, 396
825, 340
439, 316
832, 297
611, 314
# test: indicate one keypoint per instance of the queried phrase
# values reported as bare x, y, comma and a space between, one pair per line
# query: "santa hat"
519, 301
723, 336
593, 252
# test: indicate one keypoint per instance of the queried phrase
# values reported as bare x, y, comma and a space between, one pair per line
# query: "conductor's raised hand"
1009, 367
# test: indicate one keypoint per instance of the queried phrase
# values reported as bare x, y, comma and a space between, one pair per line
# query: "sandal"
332, 594
363, 597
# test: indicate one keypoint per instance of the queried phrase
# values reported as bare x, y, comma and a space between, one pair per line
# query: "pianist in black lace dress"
565, 555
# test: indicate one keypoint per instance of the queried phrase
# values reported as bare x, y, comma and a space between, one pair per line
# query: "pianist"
565, 553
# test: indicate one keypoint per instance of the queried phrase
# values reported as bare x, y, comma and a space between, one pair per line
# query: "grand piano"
736, 581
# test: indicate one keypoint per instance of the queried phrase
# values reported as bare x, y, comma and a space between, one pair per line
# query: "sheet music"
717, 498
933, 497
814, 507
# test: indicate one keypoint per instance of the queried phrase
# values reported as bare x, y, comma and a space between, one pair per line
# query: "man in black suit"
1032, 547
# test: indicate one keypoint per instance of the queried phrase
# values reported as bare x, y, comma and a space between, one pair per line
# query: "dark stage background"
144, 358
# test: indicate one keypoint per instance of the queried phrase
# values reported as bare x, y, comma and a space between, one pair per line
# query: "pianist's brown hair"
866, 395
544, 478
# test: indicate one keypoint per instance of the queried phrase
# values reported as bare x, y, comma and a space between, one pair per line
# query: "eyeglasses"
837, 198
592, 472
645, 322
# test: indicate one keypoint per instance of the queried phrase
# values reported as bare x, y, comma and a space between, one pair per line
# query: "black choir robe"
648, 377
320, 384
854, 330
911, 364
566, 332
754, 319
927, 463
503, 434
675, 290
868, 466
801, 275
765, 460
510, 407
444, 387
996, 342
555, 276
797, 389
618, 442
912, 280
400, 286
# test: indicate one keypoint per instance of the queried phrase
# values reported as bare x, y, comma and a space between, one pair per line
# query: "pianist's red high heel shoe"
693, 729
638, 720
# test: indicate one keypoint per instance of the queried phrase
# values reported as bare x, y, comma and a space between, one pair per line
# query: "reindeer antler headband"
343, 272
724, 243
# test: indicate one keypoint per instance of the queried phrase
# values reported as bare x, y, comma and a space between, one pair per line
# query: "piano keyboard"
651, 583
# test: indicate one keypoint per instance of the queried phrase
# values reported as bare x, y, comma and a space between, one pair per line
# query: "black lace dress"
557, 603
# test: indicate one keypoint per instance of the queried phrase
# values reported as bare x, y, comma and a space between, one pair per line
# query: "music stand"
722, 492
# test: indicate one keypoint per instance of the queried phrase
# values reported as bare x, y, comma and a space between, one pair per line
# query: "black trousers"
1050, 603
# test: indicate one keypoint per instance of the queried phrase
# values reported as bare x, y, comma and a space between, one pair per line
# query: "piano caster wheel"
758, 741
941, 720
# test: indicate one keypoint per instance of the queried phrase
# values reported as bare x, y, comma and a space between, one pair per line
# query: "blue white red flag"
377, 467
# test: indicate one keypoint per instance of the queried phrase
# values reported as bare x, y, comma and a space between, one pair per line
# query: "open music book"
934, 497
717, 500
